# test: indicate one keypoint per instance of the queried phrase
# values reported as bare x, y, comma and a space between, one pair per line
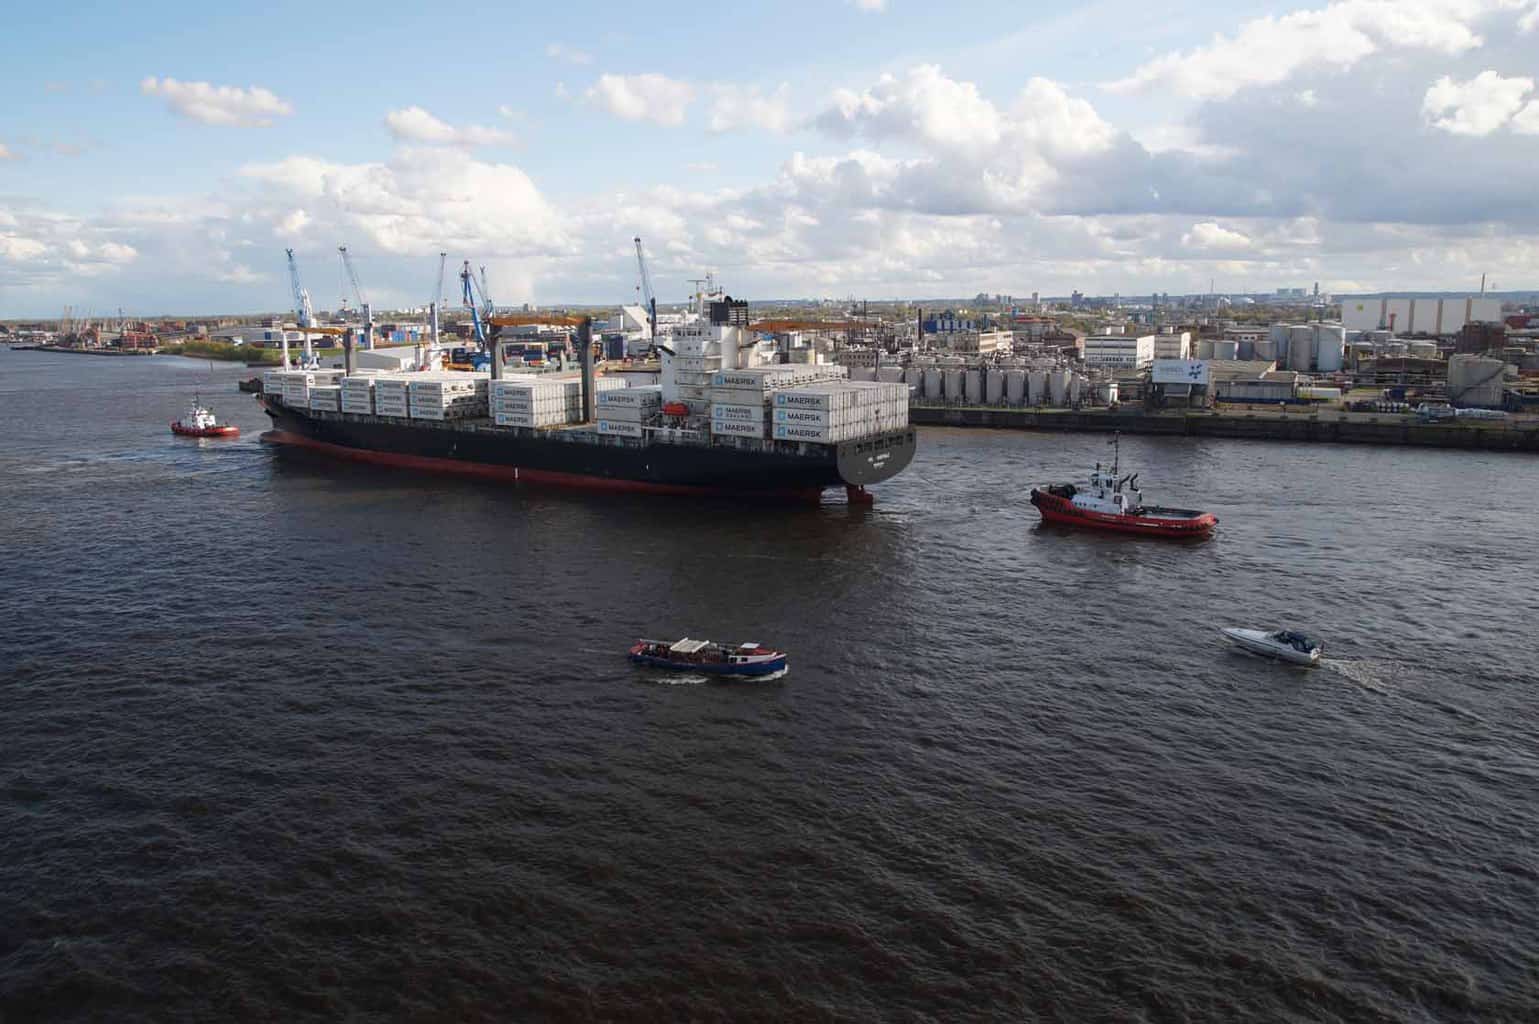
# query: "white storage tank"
1226, 349
1036, 387
1058, 387
1423, 349
1247, 349
1015, 387
1076, 388
934, 390
1265, 350
1204, 348
1301, 347
972, 388
1331, 346
890, 374
954, 384
1105, 392
913, 376
994, 386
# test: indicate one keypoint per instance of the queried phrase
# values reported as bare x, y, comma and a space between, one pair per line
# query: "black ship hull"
582, 458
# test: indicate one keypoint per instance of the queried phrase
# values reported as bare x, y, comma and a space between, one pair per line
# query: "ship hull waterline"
511, 455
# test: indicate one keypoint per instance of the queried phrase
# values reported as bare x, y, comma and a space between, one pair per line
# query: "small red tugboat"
200, 422
1115, 503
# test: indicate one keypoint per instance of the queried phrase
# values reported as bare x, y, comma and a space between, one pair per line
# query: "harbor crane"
469, 295
304, 315
363, 303
646, 289
352, 275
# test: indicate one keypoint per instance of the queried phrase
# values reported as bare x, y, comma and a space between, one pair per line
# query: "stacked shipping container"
622, 412
834, 412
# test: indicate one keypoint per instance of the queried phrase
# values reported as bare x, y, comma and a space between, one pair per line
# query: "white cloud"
1209, 236
1271, 49
870, 6
648, 97
924, 105
413, 124
218, 104
18, 248
557, 51
421, 200
736, 107
6, 154
1526, 121
1477, 107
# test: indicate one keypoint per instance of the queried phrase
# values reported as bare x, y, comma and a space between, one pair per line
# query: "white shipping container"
617, 428
739, 413
326, 398
640, 397
736, 428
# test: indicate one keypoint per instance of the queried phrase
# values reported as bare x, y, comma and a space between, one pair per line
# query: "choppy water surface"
284, 739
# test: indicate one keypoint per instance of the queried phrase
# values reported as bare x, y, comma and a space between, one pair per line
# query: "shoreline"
1331, 428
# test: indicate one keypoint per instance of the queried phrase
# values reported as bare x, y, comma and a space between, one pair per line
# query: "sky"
161, 157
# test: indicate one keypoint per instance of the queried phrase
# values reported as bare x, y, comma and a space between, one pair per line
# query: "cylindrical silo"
972, 388
955, 384
1204, 348
994, 387
1015, 387
913, 375
1330, 347
1224, 349
1247, 349
1277, 336
1265, 350
1058, 387
1076, 388
934, 390
1422, 350
890, 374
1036, 381
1301, 344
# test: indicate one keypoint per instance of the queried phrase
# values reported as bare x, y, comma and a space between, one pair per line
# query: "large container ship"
720, 420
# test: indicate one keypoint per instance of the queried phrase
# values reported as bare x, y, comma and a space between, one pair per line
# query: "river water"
285, 739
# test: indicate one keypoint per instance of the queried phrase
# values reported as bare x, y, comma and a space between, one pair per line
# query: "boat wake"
1374, 676
700, 678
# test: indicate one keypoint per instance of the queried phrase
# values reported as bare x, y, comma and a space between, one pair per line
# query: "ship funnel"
347, 353
585, 358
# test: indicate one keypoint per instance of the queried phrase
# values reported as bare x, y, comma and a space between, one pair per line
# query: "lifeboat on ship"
201, 422
675, 409
1115, 503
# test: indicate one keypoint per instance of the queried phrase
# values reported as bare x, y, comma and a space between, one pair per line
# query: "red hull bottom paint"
226, 431
516, 474
1057, 510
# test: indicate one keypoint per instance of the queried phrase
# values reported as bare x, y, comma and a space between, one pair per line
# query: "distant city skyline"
877, 149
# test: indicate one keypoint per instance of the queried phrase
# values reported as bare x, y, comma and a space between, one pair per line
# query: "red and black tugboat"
1114, 502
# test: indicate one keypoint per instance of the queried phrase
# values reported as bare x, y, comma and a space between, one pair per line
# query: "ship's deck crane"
646, 289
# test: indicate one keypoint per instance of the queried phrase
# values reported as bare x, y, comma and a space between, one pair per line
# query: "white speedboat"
1282, 644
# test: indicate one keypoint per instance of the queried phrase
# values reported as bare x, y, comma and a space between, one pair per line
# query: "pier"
1327, 426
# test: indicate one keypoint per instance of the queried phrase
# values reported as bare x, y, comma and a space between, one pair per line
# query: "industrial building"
1119, 351
1171, 344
